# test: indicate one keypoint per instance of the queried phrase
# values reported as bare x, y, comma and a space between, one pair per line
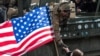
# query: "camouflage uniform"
57, 20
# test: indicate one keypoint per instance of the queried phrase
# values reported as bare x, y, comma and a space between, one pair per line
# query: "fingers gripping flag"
26, 33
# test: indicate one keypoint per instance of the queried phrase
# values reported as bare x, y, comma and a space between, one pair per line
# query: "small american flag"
26, 33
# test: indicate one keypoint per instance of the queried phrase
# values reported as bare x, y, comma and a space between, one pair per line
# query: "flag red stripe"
7, 43
5, 24
6, 34
1, 54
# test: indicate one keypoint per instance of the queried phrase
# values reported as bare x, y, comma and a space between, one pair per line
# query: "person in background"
3, 9
12, 9
88, 6
75, 52
78, 5
85, 5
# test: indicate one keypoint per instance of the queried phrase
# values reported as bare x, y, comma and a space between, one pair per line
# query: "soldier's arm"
55, 21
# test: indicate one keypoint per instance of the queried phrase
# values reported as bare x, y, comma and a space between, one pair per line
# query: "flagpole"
57, 53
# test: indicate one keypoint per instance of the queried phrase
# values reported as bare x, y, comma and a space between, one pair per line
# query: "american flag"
22, 34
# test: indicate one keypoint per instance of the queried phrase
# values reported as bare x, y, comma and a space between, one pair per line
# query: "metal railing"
81, 27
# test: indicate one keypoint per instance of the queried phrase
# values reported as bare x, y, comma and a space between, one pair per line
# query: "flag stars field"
21, 20
31, 15
28, 19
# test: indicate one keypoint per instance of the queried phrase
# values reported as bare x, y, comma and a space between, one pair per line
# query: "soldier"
60, 16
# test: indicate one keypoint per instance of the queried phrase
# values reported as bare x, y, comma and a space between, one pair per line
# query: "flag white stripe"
7, 38
5, 30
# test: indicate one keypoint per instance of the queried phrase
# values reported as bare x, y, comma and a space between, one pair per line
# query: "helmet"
64, 6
